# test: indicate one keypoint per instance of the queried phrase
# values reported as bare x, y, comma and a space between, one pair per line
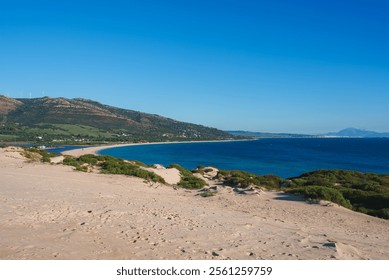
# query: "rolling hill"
81, 120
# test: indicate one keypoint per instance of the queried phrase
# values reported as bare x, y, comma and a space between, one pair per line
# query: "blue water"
283, 157
61, 149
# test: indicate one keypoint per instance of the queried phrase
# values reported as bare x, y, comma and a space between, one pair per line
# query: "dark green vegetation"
363, 192
366, 192
61, 120
207, 194
32, 153
111, 165
188, 180
242, 179
322, 193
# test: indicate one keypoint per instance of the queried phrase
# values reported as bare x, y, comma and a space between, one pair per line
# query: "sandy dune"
52, 212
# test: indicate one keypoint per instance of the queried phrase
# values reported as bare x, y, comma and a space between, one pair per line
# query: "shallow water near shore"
283, 157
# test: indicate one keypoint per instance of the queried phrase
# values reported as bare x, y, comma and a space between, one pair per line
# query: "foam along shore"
50, 211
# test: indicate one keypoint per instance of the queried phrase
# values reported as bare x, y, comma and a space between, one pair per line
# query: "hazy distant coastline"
347, 132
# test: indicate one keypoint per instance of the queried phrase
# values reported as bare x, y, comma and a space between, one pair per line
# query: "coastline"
53, 212
258, 157
96, 149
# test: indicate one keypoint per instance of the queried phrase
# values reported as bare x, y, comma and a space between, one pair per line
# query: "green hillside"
62, 120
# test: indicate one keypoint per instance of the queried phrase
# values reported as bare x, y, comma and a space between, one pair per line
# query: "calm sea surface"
283, 157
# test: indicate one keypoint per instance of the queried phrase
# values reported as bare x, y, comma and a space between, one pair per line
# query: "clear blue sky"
272, 66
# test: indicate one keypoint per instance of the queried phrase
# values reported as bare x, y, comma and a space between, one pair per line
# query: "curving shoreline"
283, 157
359, 201
96, 149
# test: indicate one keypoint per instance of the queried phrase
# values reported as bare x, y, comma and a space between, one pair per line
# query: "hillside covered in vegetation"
62, 120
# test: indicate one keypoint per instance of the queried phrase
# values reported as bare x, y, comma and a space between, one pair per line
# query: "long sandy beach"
95, 149
50, 211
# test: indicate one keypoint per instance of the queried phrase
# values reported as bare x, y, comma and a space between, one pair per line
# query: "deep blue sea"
283, 157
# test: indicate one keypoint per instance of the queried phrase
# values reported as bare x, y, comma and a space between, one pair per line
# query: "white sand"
95, 149
52, 212
171, 175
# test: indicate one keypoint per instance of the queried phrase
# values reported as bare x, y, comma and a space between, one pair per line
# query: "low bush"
75, 162
242, 179
207, 194
44, 156
321, 193
188, 180
368, 193
82, 168
119, 166
90, 159
139, 163
68, 160
111, 165
381, 213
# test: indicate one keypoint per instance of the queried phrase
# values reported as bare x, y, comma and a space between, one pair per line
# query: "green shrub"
367, 192
45, 156
192, 183
188, 181
70, 161
223, 172
90, 159
199, 171
139, 163
381, 213
321, 193
242, 179
82, 168
207, 194
118, 166
111, 165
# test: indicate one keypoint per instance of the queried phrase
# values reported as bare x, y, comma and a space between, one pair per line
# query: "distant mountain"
348, 132
82, 120
354, 132
265, 134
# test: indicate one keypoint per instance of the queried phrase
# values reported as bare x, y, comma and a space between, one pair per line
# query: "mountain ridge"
347, 132
50, 119
356, 132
